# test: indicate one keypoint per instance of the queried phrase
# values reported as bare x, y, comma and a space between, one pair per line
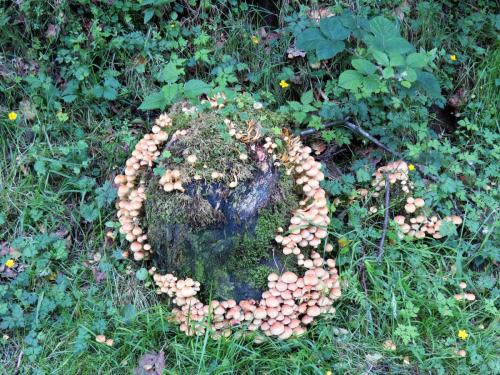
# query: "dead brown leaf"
151, 364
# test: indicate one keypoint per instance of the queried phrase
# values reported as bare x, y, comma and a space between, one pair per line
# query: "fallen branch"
387, 199
349, 124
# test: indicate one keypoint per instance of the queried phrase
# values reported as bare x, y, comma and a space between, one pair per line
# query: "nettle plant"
383, 61
365, 69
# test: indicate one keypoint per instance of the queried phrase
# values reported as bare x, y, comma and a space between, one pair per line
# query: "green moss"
253, 257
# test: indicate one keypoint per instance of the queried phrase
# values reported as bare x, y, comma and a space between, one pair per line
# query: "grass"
56, 206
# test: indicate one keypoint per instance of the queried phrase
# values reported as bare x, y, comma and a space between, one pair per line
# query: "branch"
387, 199
352, 126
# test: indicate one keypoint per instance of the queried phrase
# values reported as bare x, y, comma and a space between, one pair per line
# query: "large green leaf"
195, 87
381, 58
329, 48
171, 92
364, 66
333, 29
309, 39
383, 26
350, 79
429, 83
153, 101
170, 74
417, 60
386, 37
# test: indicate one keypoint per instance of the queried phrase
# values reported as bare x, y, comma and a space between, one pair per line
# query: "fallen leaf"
151, 364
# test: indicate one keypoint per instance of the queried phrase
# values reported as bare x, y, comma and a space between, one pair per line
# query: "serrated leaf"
381, 58
195, 87
350, 79
89, 212
171, 73
309, 39
171, 92
154, 101
388, 72
396, 59
328, 49
364, 66
417, 60
410, 75
109, 93
307, 97
333, 28
429, 83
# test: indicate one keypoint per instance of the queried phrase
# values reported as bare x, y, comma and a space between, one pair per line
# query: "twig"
349, 124
387, 199
19, 358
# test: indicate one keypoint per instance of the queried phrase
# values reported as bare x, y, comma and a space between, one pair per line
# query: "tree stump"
222, 237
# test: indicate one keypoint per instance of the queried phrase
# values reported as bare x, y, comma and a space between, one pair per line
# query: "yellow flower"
12, 116
462, 334
411, 167
284, 84
10, 263
343, 242
328, 372
255, 40
453, 57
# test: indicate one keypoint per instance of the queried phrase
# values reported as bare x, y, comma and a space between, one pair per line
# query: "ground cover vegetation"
82, 81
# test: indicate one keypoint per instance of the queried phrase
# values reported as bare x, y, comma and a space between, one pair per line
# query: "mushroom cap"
260, 313
277, 329
410, 208
289, 277
272, 302
400, 219
419, 202
272, 277
313, 311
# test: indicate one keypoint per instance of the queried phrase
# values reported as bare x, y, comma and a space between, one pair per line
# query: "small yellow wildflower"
462, 334
10, 263
12, 116
284, 84
411, 167
343, 242
328, 372
255, 40
453, 57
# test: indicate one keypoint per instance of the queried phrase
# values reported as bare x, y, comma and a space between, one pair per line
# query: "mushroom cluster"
171, 180
309, 222
292, 301
420, 225
415, 222
397, 172
286, 308
131, 194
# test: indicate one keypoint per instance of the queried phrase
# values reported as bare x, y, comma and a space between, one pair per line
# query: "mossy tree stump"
219, 235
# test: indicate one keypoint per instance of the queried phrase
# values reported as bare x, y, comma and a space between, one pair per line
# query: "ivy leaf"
364, 66
333, 28
195, 87
328, 49
309, 39
350, 79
